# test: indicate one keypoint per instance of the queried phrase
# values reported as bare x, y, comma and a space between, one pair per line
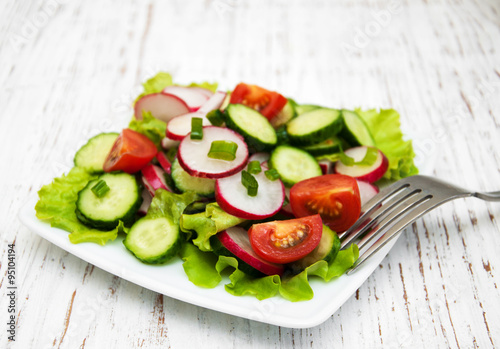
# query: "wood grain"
70, 70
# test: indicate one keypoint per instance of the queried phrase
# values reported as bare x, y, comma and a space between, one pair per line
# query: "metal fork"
397, 206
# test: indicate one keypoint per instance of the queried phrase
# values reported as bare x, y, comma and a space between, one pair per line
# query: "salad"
246, 182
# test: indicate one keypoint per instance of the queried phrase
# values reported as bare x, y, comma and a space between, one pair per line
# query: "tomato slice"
268, 103
130, 152
286, 241
335, 197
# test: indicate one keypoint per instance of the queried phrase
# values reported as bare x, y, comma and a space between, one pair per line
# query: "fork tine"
398, 212
388, 231
374, 203
367, 220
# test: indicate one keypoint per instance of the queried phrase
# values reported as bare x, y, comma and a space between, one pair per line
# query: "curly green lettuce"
204, 269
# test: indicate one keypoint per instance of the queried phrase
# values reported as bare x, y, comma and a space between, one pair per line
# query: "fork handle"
491, 196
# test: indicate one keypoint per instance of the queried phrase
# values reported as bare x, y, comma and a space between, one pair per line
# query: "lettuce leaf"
157, 83
205, 269
150, 127
170, 205
385, 128
207, 224
57, 206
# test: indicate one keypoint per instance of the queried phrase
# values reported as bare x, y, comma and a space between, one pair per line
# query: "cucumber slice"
305, 108
286, 114
330, 146
93, 154
327, 250
153, 241
252, 125
355, 130
314, 126
293, 164
184, 181
120, 203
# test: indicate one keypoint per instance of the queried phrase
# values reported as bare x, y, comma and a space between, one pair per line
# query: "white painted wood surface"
70, 69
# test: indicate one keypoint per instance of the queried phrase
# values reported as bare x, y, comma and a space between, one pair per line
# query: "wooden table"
71, 69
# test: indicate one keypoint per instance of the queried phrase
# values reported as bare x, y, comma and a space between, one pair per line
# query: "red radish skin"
364, 173
232, 196
193, 98
146, 202
326, 166
164, 162
193, 154
180, 126
162, 106
236, 240
366, 191
154, 178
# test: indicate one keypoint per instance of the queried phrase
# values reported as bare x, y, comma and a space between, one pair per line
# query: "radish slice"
366, 191
193, 154
260, 157
215, 102
167, 143
193, 98
371, 173
203, 90
232, 196
164, 162
146, 201
162, 106
326, 166
236, 240
180, 126
153, 178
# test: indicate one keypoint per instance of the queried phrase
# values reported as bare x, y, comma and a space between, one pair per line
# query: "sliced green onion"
369, 159
254, 167
249, 182
100, 189
223, 150
216, 117
196, 128
272, 174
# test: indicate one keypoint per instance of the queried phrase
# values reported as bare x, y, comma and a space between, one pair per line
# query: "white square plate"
171, 280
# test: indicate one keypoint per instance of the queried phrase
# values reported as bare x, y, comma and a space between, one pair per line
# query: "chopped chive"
249, 182
223, 150
216, 117
196, 128
254, 167
100, 189
272, 174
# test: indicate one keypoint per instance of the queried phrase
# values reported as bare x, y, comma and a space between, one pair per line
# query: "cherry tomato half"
286, 241
130, 152
335, 197
268, 103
